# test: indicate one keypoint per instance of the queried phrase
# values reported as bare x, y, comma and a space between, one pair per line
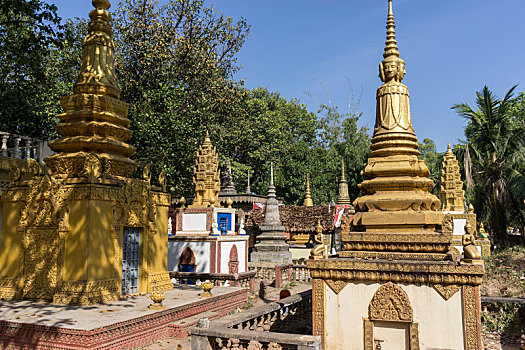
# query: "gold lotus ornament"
157, 298
206, 287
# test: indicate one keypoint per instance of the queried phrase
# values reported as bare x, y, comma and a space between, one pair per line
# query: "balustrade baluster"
16, 149
27, 154
4, 145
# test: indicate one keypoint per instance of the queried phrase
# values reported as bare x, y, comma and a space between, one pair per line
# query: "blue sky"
451, 48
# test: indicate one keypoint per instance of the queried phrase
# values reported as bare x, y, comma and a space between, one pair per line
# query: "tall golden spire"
308, 201
451, 192
94, 127
206, 176
343, 197
391, 43
396, 183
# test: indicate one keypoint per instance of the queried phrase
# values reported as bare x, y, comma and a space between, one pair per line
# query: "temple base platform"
399, 304
124, 324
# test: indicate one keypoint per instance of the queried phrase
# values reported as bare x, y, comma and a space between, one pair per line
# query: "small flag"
339, 210
258, 206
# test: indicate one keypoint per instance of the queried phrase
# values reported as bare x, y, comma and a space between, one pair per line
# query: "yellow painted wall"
11, 242
89, 244
75, 252
100, 241
159, 251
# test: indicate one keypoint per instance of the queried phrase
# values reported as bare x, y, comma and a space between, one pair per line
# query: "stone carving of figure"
469, 244
393, 106
318, 250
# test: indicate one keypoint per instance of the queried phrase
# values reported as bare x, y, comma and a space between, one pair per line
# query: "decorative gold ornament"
343, 198
409, 272
308, 201
229, 202
472, 316
206, 175
95, 120
396, 184
182, 202
390, 303
447, 291
451, 193
337, 286
157, 298
206, 287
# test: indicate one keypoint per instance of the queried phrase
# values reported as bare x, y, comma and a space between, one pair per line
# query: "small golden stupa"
308, 201
343, 198
207, 176
451, 193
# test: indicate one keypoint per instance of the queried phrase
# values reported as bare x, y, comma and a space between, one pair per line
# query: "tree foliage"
29, 32
495, 151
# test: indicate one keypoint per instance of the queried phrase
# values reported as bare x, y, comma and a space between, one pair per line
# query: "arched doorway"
187, 260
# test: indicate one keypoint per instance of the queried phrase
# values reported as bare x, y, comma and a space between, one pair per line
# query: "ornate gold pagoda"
95, 121
451, 193
64, 230
308, 201
343, 198
397, 273
207, 176
397, 213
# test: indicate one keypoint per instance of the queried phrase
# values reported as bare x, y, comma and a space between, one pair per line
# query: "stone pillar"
272, 246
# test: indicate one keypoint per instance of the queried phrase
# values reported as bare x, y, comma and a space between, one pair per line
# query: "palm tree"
495, 151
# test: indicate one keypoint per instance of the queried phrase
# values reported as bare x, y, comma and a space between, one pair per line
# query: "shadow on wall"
200, 249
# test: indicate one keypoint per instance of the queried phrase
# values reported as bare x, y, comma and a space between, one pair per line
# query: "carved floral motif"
390, 303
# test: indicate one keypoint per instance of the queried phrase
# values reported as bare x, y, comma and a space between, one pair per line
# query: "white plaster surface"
226, 247
459, 226
194, 222
300, 252
201, 250
440, 321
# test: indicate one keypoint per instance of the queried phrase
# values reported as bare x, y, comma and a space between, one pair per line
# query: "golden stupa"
207, 176
397, 214
451, 192
308, 201
83, 231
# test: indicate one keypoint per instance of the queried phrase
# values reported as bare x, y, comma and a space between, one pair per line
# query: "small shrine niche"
390, 320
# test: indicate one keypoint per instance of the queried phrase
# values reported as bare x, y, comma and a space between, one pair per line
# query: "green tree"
433, 160
175, 63
30, 31
495, 148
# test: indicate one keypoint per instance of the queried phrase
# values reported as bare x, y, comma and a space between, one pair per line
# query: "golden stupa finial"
308, 201
392, 68
391, 43
97, 71
94, 127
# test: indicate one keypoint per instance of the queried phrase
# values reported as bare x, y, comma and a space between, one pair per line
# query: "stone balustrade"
300, 272
21, 147
242, 279
256, 327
